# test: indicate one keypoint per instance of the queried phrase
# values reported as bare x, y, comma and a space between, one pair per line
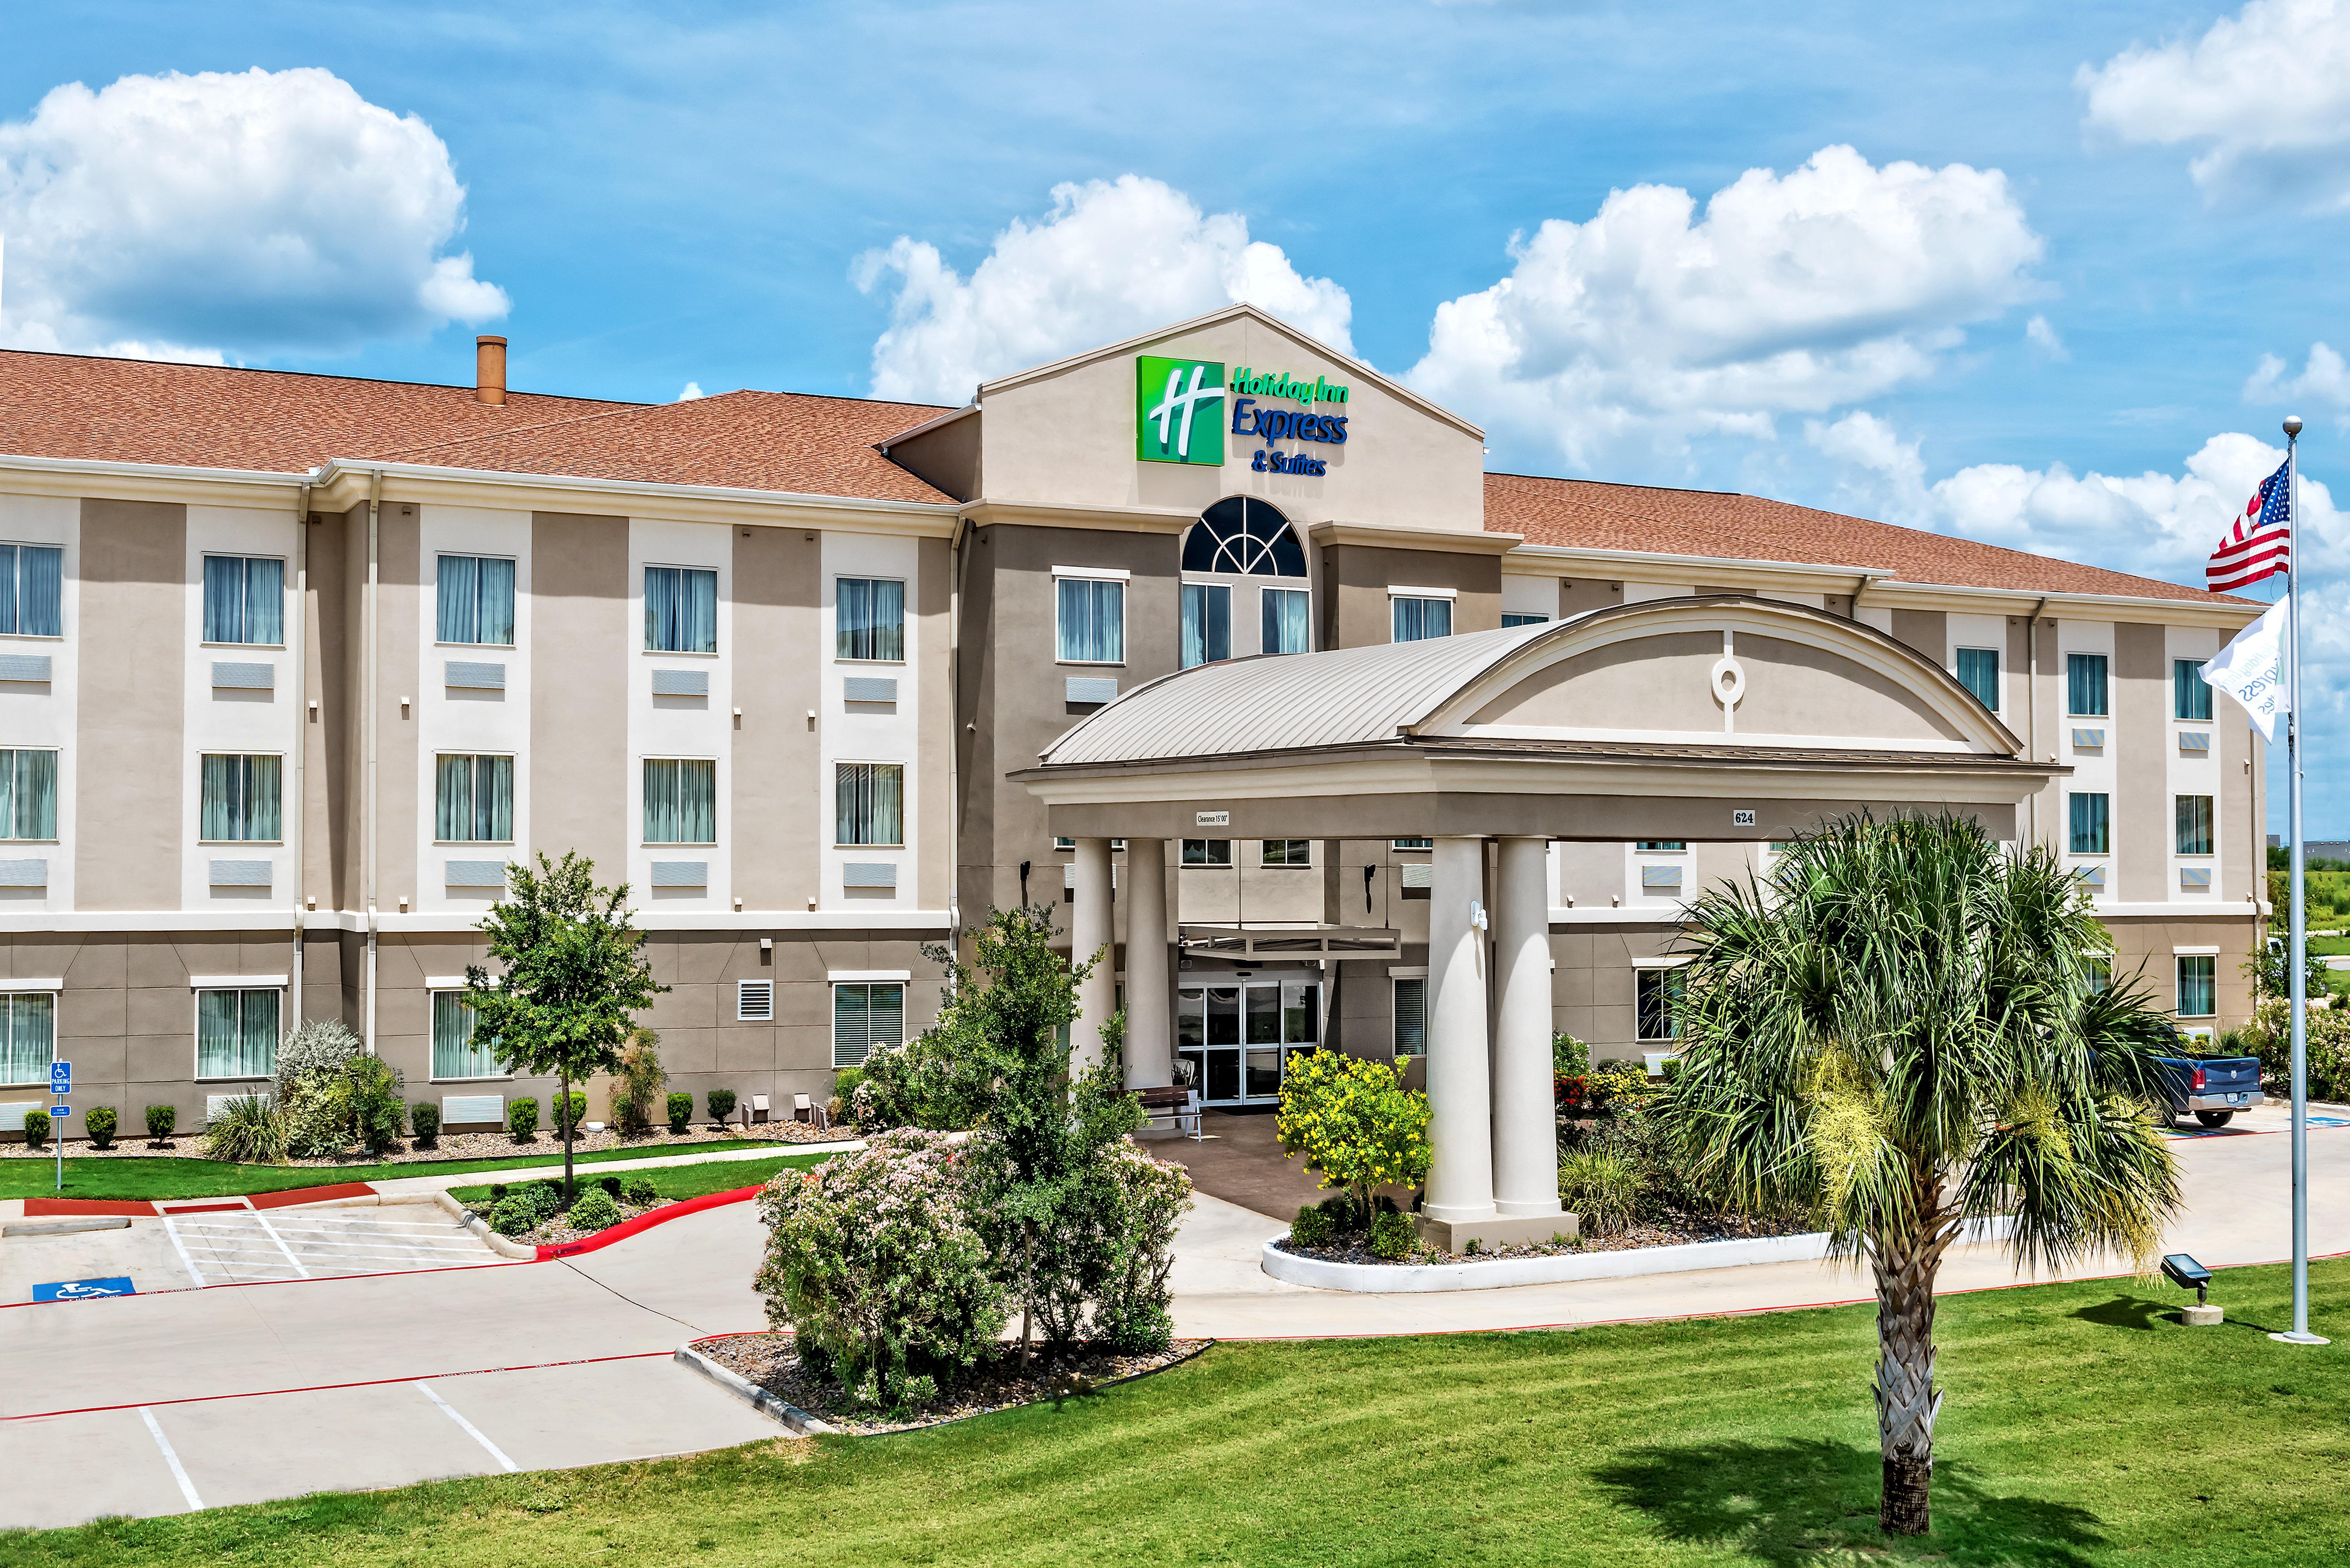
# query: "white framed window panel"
2095, 769
1988, 631
46, 713
470, 718
872, 731
2194, 771
1654, 878
680, 726
248, 720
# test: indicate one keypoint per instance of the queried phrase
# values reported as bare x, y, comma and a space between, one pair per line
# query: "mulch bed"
1682, 1231
463, 1146
772, 1361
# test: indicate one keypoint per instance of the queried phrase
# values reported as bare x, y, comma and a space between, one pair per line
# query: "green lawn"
695, 1181
2082, 1427
162, 1176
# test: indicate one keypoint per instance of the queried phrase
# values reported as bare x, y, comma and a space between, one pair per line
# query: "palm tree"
1899, 1030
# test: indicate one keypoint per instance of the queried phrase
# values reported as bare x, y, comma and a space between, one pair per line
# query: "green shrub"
522, 1117
425, 1117
1569, 1057
641, 1193
37, 1129
497, 1190
680, 1111
638, 1085
610, 1184
1392, 1236
543, 1198
368, 1090
310, 1093
1354, 1122
1312, 1228
101, 1127
576, 1103
246, 1131
1131, 1311
161, 1120
722, 1103
594, 1210
1601, 1186
512, 1217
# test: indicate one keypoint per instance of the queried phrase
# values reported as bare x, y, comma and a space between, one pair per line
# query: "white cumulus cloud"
2264, 93
2324, 378
693, 391
1790, 294
2043, 337
252, 212
1113, 257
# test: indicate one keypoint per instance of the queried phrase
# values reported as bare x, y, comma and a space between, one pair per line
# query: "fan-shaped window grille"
1245, 536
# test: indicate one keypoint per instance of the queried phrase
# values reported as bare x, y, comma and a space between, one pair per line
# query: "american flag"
2261, 541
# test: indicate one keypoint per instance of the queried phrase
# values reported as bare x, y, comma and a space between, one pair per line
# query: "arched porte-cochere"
1712, 718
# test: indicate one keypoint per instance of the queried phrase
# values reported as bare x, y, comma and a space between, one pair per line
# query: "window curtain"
2197, 986
681, 609
244, 600
239, 798
1207, 624
2085, 676
1979, 673
28, 793
2194, 818
1092, 621
865, 1015
2191, 696
236, 1034
476, 600
680, 801
1411, 1018
870, 618
1416, 620
473, 802
2089, 823
1285, 621
456, 1053
868, 804
39, 596
30, 1020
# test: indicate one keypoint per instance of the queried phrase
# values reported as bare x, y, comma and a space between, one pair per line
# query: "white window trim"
510, 756
1099, 574
644, 566
9, 987
903, 768
200, 755
644, 843
864, 578
197, 984
2175, 952
1125, 612
434, 985
1397, 591
868, 976
444, 983
226, 982
1407, 972
1670, 962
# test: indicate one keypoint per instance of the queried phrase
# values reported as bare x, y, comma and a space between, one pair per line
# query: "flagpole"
2297, 984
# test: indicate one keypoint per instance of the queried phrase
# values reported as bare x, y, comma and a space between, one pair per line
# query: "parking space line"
172, 1229
471, 1430
178, 1471
263, 1220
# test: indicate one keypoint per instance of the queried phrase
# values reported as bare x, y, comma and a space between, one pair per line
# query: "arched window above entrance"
1243, 536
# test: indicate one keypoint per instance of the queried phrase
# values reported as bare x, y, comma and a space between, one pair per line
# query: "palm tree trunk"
1906, 1400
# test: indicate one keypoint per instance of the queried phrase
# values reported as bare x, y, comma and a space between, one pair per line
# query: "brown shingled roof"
1585, 514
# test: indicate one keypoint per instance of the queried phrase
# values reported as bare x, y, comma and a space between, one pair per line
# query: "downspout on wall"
299, 641
2031, 703
374, 719
954, 732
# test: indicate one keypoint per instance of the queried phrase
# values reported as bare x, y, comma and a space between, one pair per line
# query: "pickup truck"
2213, 1087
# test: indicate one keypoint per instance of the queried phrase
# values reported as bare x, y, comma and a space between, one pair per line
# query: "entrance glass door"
1237, 1038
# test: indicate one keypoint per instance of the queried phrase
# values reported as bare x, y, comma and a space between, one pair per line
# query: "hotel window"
32, 590
681, 609
1510, 619
238, 799
2084, 685
236, 1034
1283, 613
28, 793
1654, 993
1288, 852
2194, 823
1207, 624
1244, 537
474, 800
28, 1036
457, 1052
244, 600
681, 800
1417, 619
1661, 845
1979, 673
1092, 620
868, 804
2092, 825
2199, 985
2100, 968
1207, 852
1411, 844
474, 598
2191, 698
1410, 1017
869, 619
866, 1013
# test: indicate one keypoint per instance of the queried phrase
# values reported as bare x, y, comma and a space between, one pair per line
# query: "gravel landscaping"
464, 1146
772, 1361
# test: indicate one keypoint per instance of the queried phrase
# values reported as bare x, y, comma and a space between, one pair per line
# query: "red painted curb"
627, 1228
35, 1207
233, 1206
310, 1195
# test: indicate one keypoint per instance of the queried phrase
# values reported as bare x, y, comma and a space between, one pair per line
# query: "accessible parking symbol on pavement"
84, 1290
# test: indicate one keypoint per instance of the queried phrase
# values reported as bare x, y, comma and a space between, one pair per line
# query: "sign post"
60, 1086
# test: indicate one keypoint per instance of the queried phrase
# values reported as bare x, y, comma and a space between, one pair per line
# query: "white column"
1150, 1012
1525, 1133
1460, 1092
1091, 938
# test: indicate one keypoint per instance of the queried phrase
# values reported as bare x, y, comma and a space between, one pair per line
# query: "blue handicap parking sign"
61, 1078
84, 1290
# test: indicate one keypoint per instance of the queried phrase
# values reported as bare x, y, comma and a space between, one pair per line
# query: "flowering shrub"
874, 1259
2269, 1037
1570, 1089
1152, 1197
1354, 1122
1618, 1087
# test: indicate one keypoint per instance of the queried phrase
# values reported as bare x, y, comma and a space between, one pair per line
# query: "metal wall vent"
1418, 874
681, 872
24, 873
2088, 740
680, 683
1660, 878
229, 675
29, 668
240, 873
1093, 688
476, 874
2195, 879
459, 1109
755, 1000
868, 874
870, 688
472, 675
2198, 740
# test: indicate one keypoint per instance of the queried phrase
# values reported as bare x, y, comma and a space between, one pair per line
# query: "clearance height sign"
1183, 409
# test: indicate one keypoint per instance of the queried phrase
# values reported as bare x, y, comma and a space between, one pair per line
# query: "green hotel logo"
1179, 408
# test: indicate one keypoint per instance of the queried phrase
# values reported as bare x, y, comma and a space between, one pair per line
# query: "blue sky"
706, 194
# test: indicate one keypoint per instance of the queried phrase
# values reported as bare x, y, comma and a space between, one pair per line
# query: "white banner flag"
2252, 669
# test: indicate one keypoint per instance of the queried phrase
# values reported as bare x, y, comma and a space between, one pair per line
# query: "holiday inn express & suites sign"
1184, 408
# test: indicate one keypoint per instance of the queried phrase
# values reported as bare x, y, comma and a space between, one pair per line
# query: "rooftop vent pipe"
489, 369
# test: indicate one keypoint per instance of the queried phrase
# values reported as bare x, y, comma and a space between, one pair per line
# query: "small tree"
574, 976
637, 1087
1355, 1124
